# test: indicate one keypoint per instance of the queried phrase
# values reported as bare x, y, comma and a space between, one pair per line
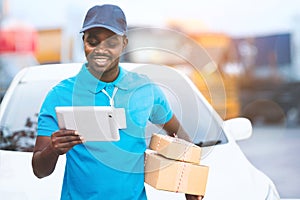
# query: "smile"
101, 58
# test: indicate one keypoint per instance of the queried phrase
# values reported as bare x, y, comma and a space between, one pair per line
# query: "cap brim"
102, 26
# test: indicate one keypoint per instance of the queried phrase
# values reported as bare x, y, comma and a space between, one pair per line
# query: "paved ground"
275, 151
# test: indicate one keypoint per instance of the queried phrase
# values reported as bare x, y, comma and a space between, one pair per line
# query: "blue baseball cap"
106, 16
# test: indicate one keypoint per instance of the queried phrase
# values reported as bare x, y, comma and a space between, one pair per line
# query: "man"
102, 170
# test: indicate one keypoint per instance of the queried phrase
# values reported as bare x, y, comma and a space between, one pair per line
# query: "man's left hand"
193, 197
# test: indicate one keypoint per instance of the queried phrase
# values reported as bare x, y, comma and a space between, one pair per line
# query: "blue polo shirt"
107, 170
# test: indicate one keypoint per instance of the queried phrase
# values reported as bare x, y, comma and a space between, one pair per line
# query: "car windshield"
19, 122
198, 119
195, 114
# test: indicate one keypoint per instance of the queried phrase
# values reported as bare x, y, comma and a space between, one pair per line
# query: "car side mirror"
240, 128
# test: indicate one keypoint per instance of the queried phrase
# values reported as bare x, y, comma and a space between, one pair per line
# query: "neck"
110, 75
107, 76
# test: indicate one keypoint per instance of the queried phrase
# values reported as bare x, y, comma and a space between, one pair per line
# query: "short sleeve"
47, 121
161, 112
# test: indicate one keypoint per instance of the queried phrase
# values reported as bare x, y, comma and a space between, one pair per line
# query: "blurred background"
254, 46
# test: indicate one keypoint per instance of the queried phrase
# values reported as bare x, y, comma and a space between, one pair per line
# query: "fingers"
63, 140
193, 197
66, 136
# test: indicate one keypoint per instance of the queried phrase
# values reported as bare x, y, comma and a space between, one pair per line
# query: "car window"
198, 119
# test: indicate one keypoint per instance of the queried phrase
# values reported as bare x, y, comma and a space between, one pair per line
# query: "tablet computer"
94, 123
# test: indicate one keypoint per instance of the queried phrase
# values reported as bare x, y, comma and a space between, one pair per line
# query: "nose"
100, 48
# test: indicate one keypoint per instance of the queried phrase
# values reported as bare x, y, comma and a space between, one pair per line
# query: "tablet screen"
94, 123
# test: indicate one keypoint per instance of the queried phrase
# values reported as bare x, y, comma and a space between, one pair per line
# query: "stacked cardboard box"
173, 164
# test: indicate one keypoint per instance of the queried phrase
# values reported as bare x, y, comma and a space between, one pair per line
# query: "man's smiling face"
103, 49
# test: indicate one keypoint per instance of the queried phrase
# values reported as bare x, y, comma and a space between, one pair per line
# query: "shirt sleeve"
161, 112
47, 121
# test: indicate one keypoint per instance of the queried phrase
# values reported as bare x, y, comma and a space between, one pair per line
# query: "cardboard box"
175, 148
176, 176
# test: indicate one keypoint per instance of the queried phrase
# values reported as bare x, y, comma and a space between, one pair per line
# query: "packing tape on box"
176, 140
180, 179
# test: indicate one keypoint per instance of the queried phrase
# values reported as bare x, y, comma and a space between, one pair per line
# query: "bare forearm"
44, 162
174, 128
48, 149
181, 133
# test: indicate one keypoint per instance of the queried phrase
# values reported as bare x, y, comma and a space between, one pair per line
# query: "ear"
125, 42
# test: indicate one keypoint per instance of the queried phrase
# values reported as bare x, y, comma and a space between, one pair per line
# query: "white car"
231, 175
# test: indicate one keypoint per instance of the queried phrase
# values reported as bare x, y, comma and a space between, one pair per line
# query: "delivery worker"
109, 169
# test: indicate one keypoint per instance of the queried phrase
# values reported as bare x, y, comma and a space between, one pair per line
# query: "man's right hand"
63, 140
47, 150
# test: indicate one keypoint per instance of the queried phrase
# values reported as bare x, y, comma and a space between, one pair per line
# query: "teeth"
101, 59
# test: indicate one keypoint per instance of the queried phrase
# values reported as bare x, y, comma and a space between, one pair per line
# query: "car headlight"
272, 193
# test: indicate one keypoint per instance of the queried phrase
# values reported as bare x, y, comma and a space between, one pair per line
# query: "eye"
92, 42
111, 43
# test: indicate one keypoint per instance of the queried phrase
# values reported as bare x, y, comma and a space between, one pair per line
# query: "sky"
235, 17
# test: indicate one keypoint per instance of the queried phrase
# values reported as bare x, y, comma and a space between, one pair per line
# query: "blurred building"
269, 86
17, 49
296, 47
207, 57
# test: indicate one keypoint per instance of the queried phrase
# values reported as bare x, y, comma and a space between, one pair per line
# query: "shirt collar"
95, 85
